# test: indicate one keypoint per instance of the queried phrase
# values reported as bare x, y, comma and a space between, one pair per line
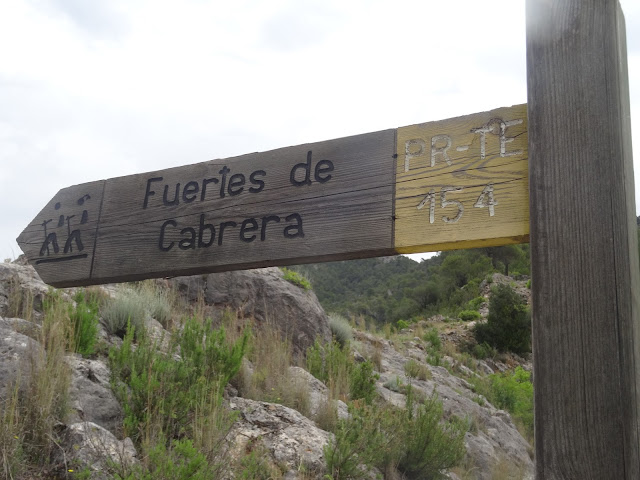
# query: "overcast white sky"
96, 89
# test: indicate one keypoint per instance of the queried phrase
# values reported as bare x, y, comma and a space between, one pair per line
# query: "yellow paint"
463, 161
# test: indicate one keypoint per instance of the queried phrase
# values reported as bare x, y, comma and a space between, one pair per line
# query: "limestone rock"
21, 286
90, 395
318, 392
264, 295
495, 439
17, 355
290, 439
89, 445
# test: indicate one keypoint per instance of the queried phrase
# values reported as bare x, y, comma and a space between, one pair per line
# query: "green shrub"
484, 350
181, 461
430, 447
413, 439
529, 284
295, 278
159, 392
363, 382
340, 329
335, 367
402, 324
433, 337
514, 393
469, 315
508, 326
330, 364
84, 322
127, 308
476, 303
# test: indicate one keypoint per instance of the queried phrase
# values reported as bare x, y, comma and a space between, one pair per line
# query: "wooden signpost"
584, 250
457, 183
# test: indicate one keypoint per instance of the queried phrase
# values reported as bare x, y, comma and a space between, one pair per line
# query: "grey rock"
90, 395
290, 439
31, 289
263, 295
18, 354
20, 325
318, 392
496, 439
89, 445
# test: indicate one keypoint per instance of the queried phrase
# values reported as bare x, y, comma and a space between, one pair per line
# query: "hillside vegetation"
385, 290
409, 376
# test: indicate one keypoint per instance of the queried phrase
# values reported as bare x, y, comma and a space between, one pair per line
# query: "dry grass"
326, 416
38, 398
417, 370
270, 380
20, 301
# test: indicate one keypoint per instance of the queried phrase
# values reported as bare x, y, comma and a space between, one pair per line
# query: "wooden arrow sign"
457, 183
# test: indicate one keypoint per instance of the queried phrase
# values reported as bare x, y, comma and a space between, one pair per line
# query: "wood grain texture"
463, 182
59, 242
190, 219
583, 242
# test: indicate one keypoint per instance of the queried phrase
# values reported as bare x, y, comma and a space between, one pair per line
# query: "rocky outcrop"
318, 393
21, 290
89, 445
90, 395
291, 440
263, 295
493, 439
18, 353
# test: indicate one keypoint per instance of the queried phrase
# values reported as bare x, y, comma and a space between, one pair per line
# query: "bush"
127, 308
514, 393
340, 329
402, 324
433, 337
295, 278
362, 385
161, 394
508, 326
182, 461
84, 322
335, 367
469, 315
476, 303
484, 350
414, 440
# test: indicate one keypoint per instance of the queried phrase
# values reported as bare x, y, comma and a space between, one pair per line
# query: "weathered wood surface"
331, 200
243, 212
583, 242
463, 182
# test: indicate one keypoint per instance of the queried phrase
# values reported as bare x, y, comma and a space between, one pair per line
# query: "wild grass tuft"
297, 279
270, 379
417, 370
340, 329
37, 399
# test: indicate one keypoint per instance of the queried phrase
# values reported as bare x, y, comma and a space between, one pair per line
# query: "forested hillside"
396, 288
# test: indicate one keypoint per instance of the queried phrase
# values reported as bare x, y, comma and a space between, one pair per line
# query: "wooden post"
583, 242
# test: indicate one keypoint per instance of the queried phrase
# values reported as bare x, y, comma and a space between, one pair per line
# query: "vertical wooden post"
583, 242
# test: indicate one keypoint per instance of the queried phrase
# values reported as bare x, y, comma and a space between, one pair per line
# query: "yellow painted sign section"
463, 182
